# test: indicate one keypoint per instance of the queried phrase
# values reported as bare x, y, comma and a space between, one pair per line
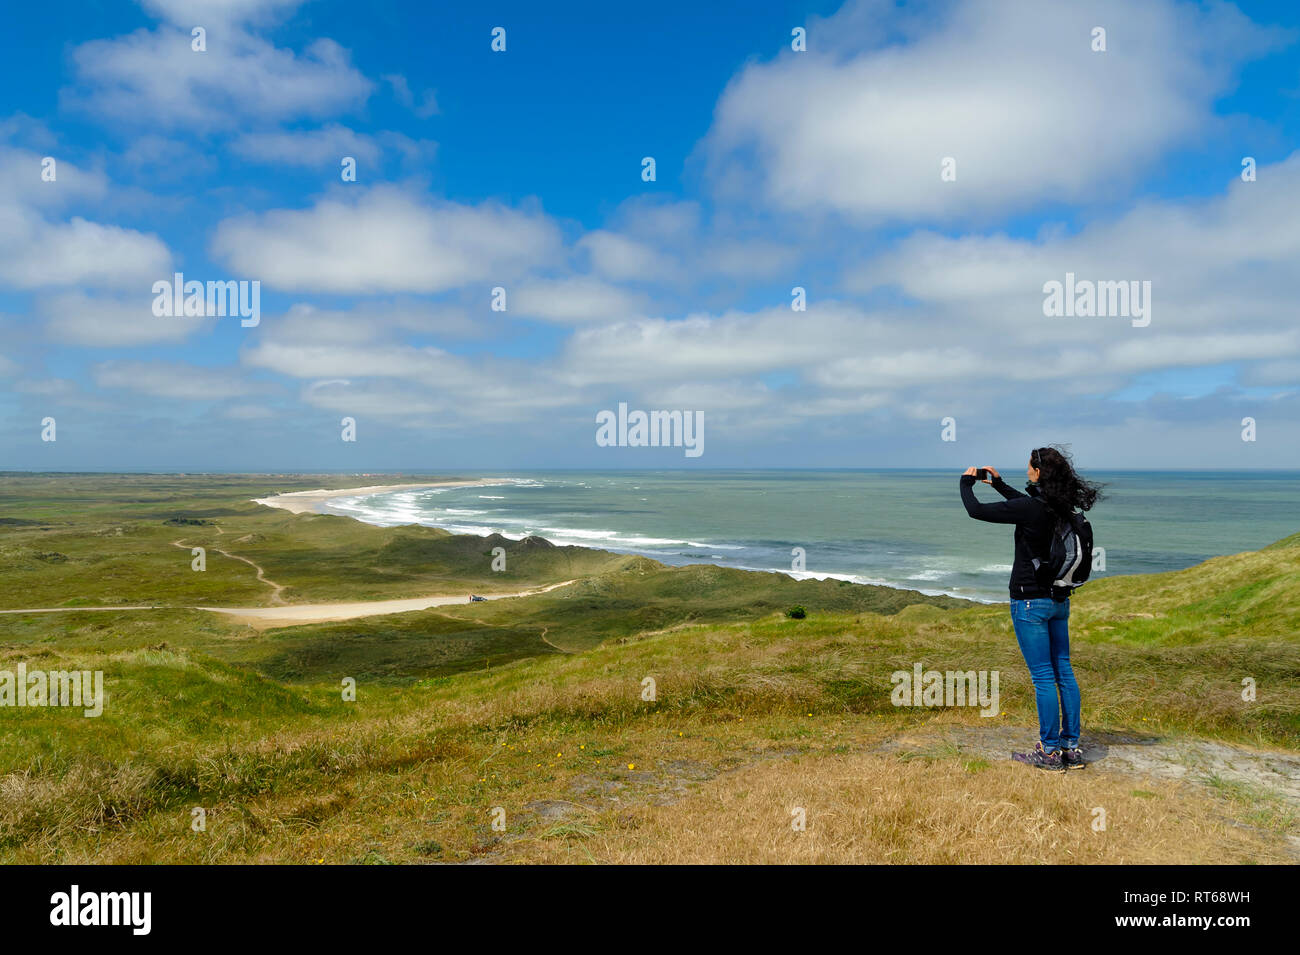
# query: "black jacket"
1034, 522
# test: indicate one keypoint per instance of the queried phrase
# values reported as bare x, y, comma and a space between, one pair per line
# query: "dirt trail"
277, 589
284, 614
1194, 760
546, 630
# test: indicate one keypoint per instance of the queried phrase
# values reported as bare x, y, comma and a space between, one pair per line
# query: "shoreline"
308, 502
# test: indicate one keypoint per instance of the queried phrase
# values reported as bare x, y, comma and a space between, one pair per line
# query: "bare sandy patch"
308, 502
265, 618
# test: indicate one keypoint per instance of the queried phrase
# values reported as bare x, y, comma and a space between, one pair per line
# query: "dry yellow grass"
750, 720
873, 808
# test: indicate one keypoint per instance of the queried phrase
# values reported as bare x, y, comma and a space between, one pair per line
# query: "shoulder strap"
1066, 517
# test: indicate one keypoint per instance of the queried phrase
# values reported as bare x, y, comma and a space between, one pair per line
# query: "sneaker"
1051, 762
1073, 758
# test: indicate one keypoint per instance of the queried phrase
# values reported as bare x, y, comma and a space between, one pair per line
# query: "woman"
1041, 621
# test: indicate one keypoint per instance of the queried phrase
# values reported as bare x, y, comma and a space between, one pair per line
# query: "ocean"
897, 528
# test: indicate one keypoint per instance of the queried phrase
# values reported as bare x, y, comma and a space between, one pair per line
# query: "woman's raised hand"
993, 472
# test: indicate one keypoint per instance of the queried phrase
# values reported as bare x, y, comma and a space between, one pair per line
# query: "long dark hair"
1059, 483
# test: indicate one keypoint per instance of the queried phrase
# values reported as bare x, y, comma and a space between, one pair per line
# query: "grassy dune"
112, 540
533, 708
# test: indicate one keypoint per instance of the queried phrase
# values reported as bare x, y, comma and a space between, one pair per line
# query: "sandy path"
262, 618
545, 630
277, 589
306, 502
289, 615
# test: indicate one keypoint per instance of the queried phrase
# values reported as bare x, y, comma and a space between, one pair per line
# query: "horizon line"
516, 470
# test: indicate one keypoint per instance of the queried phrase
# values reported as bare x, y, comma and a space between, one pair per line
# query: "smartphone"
981, 474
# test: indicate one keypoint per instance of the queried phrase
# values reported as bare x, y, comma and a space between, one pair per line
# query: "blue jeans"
1043, 632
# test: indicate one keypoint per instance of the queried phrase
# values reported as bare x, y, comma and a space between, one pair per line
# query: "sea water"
897, 528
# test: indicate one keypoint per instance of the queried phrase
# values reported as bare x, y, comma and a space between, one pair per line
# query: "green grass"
72, 540
467, 707
396, 649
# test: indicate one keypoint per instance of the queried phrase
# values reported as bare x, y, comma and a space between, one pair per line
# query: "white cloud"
1222, 264
746, 258
621, 258
369, 322
428, 105
48, 387
38, 251
327, 146
75, 318
163, 159
177, 380
576, 299
1272, 373
385, 240
657, 242
719, 397
188, 13
35, 253
352, 362
973, 330
499, 395
310, 147
697, 347
860, 123
153, 77
21, 183
302, 359
248, 412
944, 323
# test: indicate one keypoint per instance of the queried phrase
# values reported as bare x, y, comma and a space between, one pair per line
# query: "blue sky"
521, 170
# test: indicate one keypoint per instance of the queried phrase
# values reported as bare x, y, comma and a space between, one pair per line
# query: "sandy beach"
307, 502
263, 618
288, 615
